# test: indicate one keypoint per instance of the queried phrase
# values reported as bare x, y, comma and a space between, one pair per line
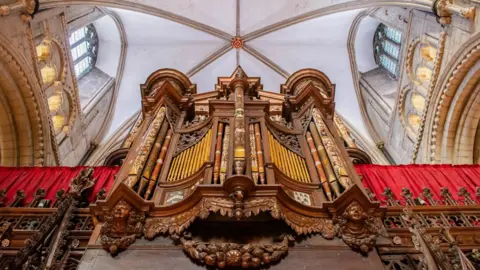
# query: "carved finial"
3, 193
462, 192
101, 195
407, 194
390, 197
444, 192
19, 196
82, 181
39, 195
427, 193
371, 195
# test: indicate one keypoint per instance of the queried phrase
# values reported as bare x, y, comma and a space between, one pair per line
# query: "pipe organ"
229, 135
236, 151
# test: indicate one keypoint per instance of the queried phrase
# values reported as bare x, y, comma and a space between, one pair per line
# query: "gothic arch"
26, 126
455, 111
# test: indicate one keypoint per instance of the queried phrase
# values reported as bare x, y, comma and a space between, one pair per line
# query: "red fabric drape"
418, 177
52, 179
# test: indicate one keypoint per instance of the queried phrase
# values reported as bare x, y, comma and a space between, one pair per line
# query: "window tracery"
387, 44
84, 47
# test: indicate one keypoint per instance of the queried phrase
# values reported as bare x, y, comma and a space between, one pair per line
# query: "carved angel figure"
121, 227
358, 229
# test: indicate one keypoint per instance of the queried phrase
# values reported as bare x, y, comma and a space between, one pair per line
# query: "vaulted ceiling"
203, 50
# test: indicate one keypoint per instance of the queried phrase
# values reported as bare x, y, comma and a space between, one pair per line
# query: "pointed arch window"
84, 48
387, 44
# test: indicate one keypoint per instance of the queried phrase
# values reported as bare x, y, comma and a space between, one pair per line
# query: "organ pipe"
332, 150
218, 153
145, 147
190, 160
318, 166
258, 142
327, 166
224, 160
287, 161
147, 172
253, 153
158, 165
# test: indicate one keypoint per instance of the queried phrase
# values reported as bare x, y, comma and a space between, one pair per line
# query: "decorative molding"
34, 99
450, 80
431, 88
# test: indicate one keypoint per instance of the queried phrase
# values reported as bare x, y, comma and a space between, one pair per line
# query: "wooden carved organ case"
233, 154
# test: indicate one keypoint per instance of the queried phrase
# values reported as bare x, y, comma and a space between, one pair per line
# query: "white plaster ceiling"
364, 44
155, 43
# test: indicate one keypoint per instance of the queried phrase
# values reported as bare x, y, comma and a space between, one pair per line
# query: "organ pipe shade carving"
289, 163
190, 160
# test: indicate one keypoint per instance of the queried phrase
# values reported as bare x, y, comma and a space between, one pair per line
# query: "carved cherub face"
354, 212
121, 210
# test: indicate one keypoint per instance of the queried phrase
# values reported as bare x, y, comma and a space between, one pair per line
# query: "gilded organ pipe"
318, 166
190, 160
327, 166
218, 153
287, 161
253, 153
224, 160
147, 172
158, 165
145, 147
258, 142
332, 150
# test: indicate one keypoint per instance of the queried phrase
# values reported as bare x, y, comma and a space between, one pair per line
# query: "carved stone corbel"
358, 229
122, 225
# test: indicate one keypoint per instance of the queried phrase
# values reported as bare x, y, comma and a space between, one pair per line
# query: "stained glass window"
84, 47
387, 44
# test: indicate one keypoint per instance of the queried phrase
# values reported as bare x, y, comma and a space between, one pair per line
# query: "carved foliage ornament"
188, 139
179, 223
290, 141
236, 255
359, 229
122, 225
